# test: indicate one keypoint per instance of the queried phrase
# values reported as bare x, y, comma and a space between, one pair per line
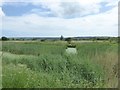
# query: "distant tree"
42, 40
4, 38
34, 39
22, 39
68, 40
13, 38
61, 38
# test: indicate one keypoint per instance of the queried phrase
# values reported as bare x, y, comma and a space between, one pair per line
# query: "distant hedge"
4, 38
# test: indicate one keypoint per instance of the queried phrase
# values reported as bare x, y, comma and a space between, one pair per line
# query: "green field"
47, 65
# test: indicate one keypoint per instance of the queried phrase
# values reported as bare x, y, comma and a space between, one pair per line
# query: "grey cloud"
74, 10
71, 9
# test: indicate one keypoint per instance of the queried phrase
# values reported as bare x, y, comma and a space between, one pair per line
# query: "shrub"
4, 38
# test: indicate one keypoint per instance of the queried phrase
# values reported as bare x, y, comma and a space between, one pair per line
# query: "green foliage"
36, 64
42, 40
4, 38
68, 40
61, 38
0, 70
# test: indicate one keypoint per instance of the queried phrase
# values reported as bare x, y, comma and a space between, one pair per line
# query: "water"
70, 50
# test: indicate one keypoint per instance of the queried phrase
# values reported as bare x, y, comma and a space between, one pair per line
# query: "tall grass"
34, 48
0, 70
36, 64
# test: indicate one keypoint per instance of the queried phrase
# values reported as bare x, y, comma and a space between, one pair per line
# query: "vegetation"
61, 38
4, 38
0, 69
46, 64
68, 40
110, 39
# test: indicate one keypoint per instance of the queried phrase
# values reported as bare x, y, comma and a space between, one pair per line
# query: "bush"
4, 38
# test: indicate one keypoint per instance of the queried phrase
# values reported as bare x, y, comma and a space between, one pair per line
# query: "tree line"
110, 39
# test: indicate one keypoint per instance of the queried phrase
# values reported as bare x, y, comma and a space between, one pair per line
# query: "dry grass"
109, 63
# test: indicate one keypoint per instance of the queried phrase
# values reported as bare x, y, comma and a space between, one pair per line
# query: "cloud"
59, 6
92, 24
35, 25
67, 9
75, 8
70, 9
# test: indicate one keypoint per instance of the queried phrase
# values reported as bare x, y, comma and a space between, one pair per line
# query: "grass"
45, 64
0, 70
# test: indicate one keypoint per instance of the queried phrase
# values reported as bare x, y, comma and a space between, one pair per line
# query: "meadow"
47, 65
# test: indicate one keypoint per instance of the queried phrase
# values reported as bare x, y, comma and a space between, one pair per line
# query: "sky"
53, 18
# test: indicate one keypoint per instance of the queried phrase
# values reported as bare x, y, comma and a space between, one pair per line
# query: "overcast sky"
31, 18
